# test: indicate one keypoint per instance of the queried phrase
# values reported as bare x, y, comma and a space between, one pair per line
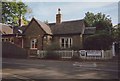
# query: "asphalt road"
48, 69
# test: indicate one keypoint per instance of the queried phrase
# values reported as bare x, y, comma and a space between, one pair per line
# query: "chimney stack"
58, 17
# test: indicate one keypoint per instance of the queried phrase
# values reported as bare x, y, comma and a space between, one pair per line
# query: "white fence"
83, 54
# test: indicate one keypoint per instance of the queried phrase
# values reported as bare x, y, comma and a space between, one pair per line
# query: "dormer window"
20, 31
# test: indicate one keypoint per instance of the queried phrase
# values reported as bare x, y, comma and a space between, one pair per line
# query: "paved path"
47, 69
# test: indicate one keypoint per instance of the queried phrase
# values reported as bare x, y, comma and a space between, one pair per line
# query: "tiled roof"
5, 29
45, 27
68, 27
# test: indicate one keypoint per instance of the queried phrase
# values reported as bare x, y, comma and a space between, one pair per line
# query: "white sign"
94, 53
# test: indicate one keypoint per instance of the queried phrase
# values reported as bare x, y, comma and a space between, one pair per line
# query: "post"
102, 54
22, 43
38, 53
72, 53
113, 49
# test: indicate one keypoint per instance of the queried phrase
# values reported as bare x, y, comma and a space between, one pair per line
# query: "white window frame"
33, 42
70, 42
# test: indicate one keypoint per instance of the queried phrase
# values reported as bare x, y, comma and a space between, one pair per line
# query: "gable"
33, 29
45, 28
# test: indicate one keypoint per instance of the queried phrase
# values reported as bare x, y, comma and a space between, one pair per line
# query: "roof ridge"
68, 21
44, 26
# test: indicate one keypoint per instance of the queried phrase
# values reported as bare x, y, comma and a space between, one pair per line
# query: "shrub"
98, 42
12, 51
75, 57
52, 55
52, 47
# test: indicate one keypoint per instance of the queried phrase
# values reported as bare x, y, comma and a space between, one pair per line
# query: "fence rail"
83, 54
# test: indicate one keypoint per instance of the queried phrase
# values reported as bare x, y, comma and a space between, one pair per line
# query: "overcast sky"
71, 10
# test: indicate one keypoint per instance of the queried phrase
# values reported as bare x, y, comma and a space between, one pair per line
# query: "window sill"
33, 48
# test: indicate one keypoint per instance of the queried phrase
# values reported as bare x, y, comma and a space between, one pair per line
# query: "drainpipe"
22, 42
42, 41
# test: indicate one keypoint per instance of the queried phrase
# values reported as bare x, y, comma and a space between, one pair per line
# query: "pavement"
51, 69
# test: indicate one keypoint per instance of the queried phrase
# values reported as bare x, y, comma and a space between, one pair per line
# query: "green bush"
75, 57
52, 55
98, 42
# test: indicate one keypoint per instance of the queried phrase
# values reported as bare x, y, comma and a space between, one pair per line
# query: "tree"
100, 21
98, 42
46, 21
12, 11
116, 32
89, 19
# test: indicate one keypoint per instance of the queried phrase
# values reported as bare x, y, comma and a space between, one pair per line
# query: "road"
50, 69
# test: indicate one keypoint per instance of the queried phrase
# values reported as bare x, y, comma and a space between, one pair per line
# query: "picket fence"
83, 54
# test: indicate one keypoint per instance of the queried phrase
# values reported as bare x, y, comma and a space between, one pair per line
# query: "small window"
3, 40
12, 41
6, 40
9, 39
34, 43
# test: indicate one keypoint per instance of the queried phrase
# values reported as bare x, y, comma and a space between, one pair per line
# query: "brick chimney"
58, 17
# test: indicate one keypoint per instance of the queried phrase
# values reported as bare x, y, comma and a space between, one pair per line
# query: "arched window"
34, 43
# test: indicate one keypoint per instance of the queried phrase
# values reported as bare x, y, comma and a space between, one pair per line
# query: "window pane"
70, 42
6, 40
12, 40
32, 45
66, 45
2, 40
36, 44
62, 45
66, 41
62, 40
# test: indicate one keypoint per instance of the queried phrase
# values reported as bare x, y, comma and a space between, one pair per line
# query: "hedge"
10, 50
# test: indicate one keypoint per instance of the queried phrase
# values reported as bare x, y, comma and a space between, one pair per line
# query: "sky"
71, 10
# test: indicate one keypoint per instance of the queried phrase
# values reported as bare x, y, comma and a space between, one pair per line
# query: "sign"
94, 53
83, 53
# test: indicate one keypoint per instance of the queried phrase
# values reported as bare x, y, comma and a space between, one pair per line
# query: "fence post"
38, 53
72, 53
102, 54
113, 49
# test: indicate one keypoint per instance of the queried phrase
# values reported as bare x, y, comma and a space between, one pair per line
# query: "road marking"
78, 64
24, 64
14, 76
85, 65
19, 76
97, 69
